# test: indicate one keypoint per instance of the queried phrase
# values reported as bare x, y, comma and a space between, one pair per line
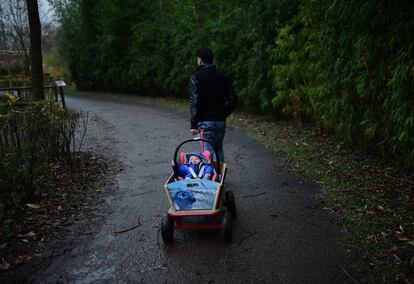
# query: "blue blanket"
193, 194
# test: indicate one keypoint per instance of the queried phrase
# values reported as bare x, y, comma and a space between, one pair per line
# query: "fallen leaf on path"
100, 190
30, 234
33, 206
4, 265
394, 248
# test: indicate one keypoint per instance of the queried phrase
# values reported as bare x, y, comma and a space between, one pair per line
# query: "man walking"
212, 100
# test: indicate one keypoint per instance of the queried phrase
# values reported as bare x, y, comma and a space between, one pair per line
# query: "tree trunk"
35, 49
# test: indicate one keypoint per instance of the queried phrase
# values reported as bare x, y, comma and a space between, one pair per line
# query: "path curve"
282, 235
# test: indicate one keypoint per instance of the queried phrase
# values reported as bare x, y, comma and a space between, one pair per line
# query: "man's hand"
194, 131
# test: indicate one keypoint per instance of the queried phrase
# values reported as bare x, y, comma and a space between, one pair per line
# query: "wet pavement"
282, 235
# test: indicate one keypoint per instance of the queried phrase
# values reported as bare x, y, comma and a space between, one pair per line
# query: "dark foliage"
345, 67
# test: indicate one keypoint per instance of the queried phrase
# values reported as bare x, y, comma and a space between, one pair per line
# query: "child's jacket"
192, 171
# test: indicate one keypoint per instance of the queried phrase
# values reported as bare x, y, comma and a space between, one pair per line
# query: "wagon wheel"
231, 204
227, 227
167, 229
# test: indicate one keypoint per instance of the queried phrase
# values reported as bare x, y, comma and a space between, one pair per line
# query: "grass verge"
372, 199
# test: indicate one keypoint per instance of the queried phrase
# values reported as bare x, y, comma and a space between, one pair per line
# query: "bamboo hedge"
343, 66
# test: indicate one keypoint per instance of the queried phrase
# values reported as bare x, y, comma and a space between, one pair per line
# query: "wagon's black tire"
231, 204
227, 227
167, 229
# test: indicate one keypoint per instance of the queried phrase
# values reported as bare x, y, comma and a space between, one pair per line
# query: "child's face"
195, 160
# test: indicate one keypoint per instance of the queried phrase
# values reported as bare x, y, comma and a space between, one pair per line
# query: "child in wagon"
196, 166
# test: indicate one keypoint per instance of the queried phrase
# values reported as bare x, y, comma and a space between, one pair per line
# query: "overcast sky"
46, 12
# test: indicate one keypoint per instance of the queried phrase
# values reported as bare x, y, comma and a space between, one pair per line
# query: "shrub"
33, 137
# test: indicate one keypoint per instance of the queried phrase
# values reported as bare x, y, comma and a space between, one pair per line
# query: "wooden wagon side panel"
223, 171
167, 192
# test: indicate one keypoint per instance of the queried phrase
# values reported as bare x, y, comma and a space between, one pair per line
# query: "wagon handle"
195, 140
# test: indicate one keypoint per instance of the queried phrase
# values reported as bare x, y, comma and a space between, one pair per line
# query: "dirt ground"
29, 229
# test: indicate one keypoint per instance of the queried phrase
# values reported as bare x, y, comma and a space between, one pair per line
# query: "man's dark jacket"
212, 96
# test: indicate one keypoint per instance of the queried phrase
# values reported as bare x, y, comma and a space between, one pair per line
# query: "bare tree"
49, 33
35, 48
15, 29
15, 34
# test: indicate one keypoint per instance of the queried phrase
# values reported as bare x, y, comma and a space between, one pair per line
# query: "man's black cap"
206, 54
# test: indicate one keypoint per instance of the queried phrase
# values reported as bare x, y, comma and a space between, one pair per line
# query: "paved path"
282, 235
